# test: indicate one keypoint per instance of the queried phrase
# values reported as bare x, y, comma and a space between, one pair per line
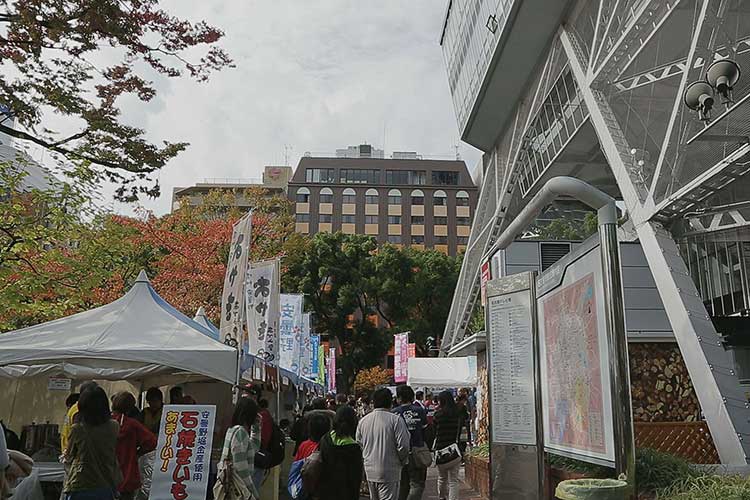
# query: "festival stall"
135, 342
442, 372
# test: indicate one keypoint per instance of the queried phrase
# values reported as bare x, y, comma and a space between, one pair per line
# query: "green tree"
569, 229
52, 53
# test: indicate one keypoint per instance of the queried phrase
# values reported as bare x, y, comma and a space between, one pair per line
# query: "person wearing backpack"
341, 456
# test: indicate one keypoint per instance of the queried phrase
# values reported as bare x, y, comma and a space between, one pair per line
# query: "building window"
445, 178
408, 177
371, 219
441, 240
349, 196
394, 238
325, 218
302, 217
320, 175
462, 199
439, 199
348, 219
359, 176
462, 240
326, 195
303, 195
417, 197
417, 240
440, 221
371, 197
394, 197
417, 219
394, 219
463, 221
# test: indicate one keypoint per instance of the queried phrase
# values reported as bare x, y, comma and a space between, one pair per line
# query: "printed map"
575, 402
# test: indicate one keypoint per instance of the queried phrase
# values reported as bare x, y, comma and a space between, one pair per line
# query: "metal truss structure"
605, 104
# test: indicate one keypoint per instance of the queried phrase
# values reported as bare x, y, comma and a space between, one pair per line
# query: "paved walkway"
430, 493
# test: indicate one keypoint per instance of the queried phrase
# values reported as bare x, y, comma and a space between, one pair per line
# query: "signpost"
183, 452
515, 430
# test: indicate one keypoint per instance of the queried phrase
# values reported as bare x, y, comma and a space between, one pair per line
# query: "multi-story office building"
275, 180
596, 89
409, 202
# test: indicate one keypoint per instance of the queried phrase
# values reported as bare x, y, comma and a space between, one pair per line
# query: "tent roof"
202, 319
442, 372
137, 336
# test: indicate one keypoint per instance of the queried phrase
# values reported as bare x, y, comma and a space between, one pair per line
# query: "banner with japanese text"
183, 452
400, 357
230, 327
321, 363
412, 352
314, 356
332, 370
290, 327
305, 352
262, 303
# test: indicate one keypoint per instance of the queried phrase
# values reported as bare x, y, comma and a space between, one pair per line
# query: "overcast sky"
313, 75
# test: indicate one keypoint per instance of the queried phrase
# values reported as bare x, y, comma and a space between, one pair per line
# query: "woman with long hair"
133, 440
341, 475
447, 423
242, 442
94, 473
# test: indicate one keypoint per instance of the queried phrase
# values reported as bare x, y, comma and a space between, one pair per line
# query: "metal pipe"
553, 189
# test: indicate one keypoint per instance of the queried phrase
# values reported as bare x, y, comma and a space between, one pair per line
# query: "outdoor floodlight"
723, 75
699, 97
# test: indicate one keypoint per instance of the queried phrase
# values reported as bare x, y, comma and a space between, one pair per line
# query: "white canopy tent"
137, 337
202, 319
442, 372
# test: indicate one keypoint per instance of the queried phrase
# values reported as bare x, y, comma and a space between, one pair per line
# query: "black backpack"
274, 455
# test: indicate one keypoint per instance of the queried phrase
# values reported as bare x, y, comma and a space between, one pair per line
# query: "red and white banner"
486, 276
412, 351
400, 357
183, 452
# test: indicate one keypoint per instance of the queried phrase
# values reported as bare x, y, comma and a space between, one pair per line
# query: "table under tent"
137, 341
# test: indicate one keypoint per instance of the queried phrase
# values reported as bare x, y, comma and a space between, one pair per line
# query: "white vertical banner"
232, 296
332, 370
183, 452
262, 305
400, 357
306, 354
290, 326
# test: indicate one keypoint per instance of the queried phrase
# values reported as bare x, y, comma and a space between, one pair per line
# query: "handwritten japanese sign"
290, 330
332, 370
314, 356
400, 357
234, 282
262, 304
183, 452
305, 348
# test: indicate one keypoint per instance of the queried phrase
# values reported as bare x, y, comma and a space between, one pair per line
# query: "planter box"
477, 471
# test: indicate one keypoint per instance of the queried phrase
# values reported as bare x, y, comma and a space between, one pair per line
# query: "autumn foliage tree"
52, 53
369, 379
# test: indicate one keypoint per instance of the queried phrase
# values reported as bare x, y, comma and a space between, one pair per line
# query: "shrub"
655, 470
708, 487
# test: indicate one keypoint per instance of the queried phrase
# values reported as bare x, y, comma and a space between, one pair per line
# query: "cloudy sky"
313, 75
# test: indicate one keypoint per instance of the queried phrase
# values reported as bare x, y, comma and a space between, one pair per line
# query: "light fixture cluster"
720, 79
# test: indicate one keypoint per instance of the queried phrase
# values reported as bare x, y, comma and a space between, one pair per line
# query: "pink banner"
332, 370
412, 350
400, 357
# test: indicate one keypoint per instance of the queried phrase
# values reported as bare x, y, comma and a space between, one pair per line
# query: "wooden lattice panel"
690, 440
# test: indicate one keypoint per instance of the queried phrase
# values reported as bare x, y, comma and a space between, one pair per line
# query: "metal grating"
689, 440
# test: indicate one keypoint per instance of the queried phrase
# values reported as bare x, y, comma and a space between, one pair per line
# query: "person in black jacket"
448, 420
341, 474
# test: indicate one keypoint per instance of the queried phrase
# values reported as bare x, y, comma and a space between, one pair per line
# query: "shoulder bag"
450, 453
229, 486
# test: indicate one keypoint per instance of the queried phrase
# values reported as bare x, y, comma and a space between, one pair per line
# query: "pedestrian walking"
301, 431
91, 453
447, 456
341, 475
413, 474
385, 447
319, 426
133, 440
241, 443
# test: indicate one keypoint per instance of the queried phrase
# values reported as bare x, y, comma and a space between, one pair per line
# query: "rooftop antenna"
287, 149
458, 153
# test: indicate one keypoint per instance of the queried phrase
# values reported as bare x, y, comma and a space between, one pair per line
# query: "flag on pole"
321, 363
314, 356
306, 352
400, 357
262, 304
230, 327
290, 327
332, 370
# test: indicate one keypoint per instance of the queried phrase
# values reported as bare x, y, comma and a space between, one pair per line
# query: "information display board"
511, 357
576, 396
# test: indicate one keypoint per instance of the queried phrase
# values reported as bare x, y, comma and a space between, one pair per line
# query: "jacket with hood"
341, 475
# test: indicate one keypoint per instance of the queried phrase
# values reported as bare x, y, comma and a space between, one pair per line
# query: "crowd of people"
383, 443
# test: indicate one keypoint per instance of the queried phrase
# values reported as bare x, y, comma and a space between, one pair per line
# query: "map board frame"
575, 284
516, 456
